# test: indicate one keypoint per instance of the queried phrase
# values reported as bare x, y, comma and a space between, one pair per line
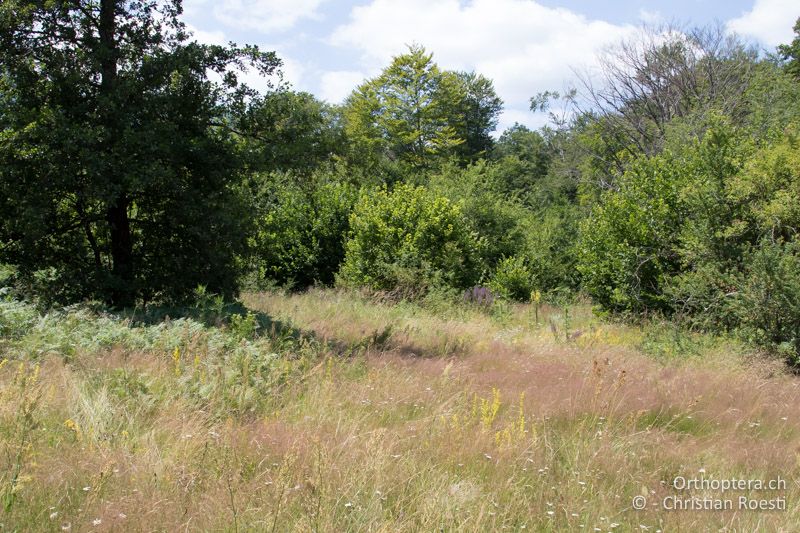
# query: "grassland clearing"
331, 411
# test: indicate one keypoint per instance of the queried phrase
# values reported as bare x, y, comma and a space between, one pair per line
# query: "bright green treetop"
416, 114
791, 52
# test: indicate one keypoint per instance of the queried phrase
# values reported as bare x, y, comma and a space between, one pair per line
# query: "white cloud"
259, 15
292, 71
650, 17
522, 116
770, 21
207, 37
336, 85
523, 46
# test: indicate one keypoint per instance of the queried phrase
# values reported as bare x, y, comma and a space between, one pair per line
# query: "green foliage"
118, 178
712, 231
223, 371
737, 197
550, 248
478, 112
773, 97
671, 224
16, 318
769, 304
512, 279
286, 130
708, 232
543, 236
790, 53
628, 244
490, 215
409, 239
300, 236
129, 175
667, 340
418, 115
768, 188
523, 158
244, 326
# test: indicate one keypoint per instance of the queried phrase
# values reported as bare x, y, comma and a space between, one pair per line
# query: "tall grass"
327, 411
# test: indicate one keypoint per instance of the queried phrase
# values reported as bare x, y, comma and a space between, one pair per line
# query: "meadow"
332, 410
229, 304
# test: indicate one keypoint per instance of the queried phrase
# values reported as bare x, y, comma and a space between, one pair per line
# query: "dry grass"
393, 418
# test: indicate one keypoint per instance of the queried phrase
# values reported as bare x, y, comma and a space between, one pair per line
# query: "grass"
329, 411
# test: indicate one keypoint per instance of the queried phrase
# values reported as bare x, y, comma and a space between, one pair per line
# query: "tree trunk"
122, 294
87, 229
122, 290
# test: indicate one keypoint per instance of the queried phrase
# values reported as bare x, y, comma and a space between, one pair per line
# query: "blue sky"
524, 46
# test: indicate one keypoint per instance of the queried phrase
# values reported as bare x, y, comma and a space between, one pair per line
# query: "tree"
488, 212
790, 53
627, 249
526, 145
408, 240
118, 171
416, 114
658, 76
288, 130
523, 157
479, 110
300, 230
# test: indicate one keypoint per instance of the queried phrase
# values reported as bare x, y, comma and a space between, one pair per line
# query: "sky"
329, 47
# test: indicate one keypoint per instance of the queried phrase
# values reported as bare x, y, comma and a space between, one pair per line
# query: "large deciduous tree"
790, 53
658, 76
118, 172
478, 111
417, 114
287, 130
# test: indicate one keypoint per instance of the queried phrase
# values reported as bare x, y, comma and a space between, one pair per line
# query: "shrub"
769, 302
300, 237
543, 236
409, 238
628, 245
16, 318
493, 217
551, 236
512, 279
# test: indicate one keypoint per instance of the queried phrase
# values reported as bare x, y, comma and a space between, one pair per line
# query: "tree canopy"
418, 115
117, 167
790, 53
134, 167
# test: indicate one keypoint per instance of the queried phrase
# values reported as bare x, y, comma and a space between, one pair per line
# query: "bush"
702, 297
769, 302
16, 318
494, 218
543, 237
709, 235
409, 238
628, 245
551, 236
300, 237
512, 279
